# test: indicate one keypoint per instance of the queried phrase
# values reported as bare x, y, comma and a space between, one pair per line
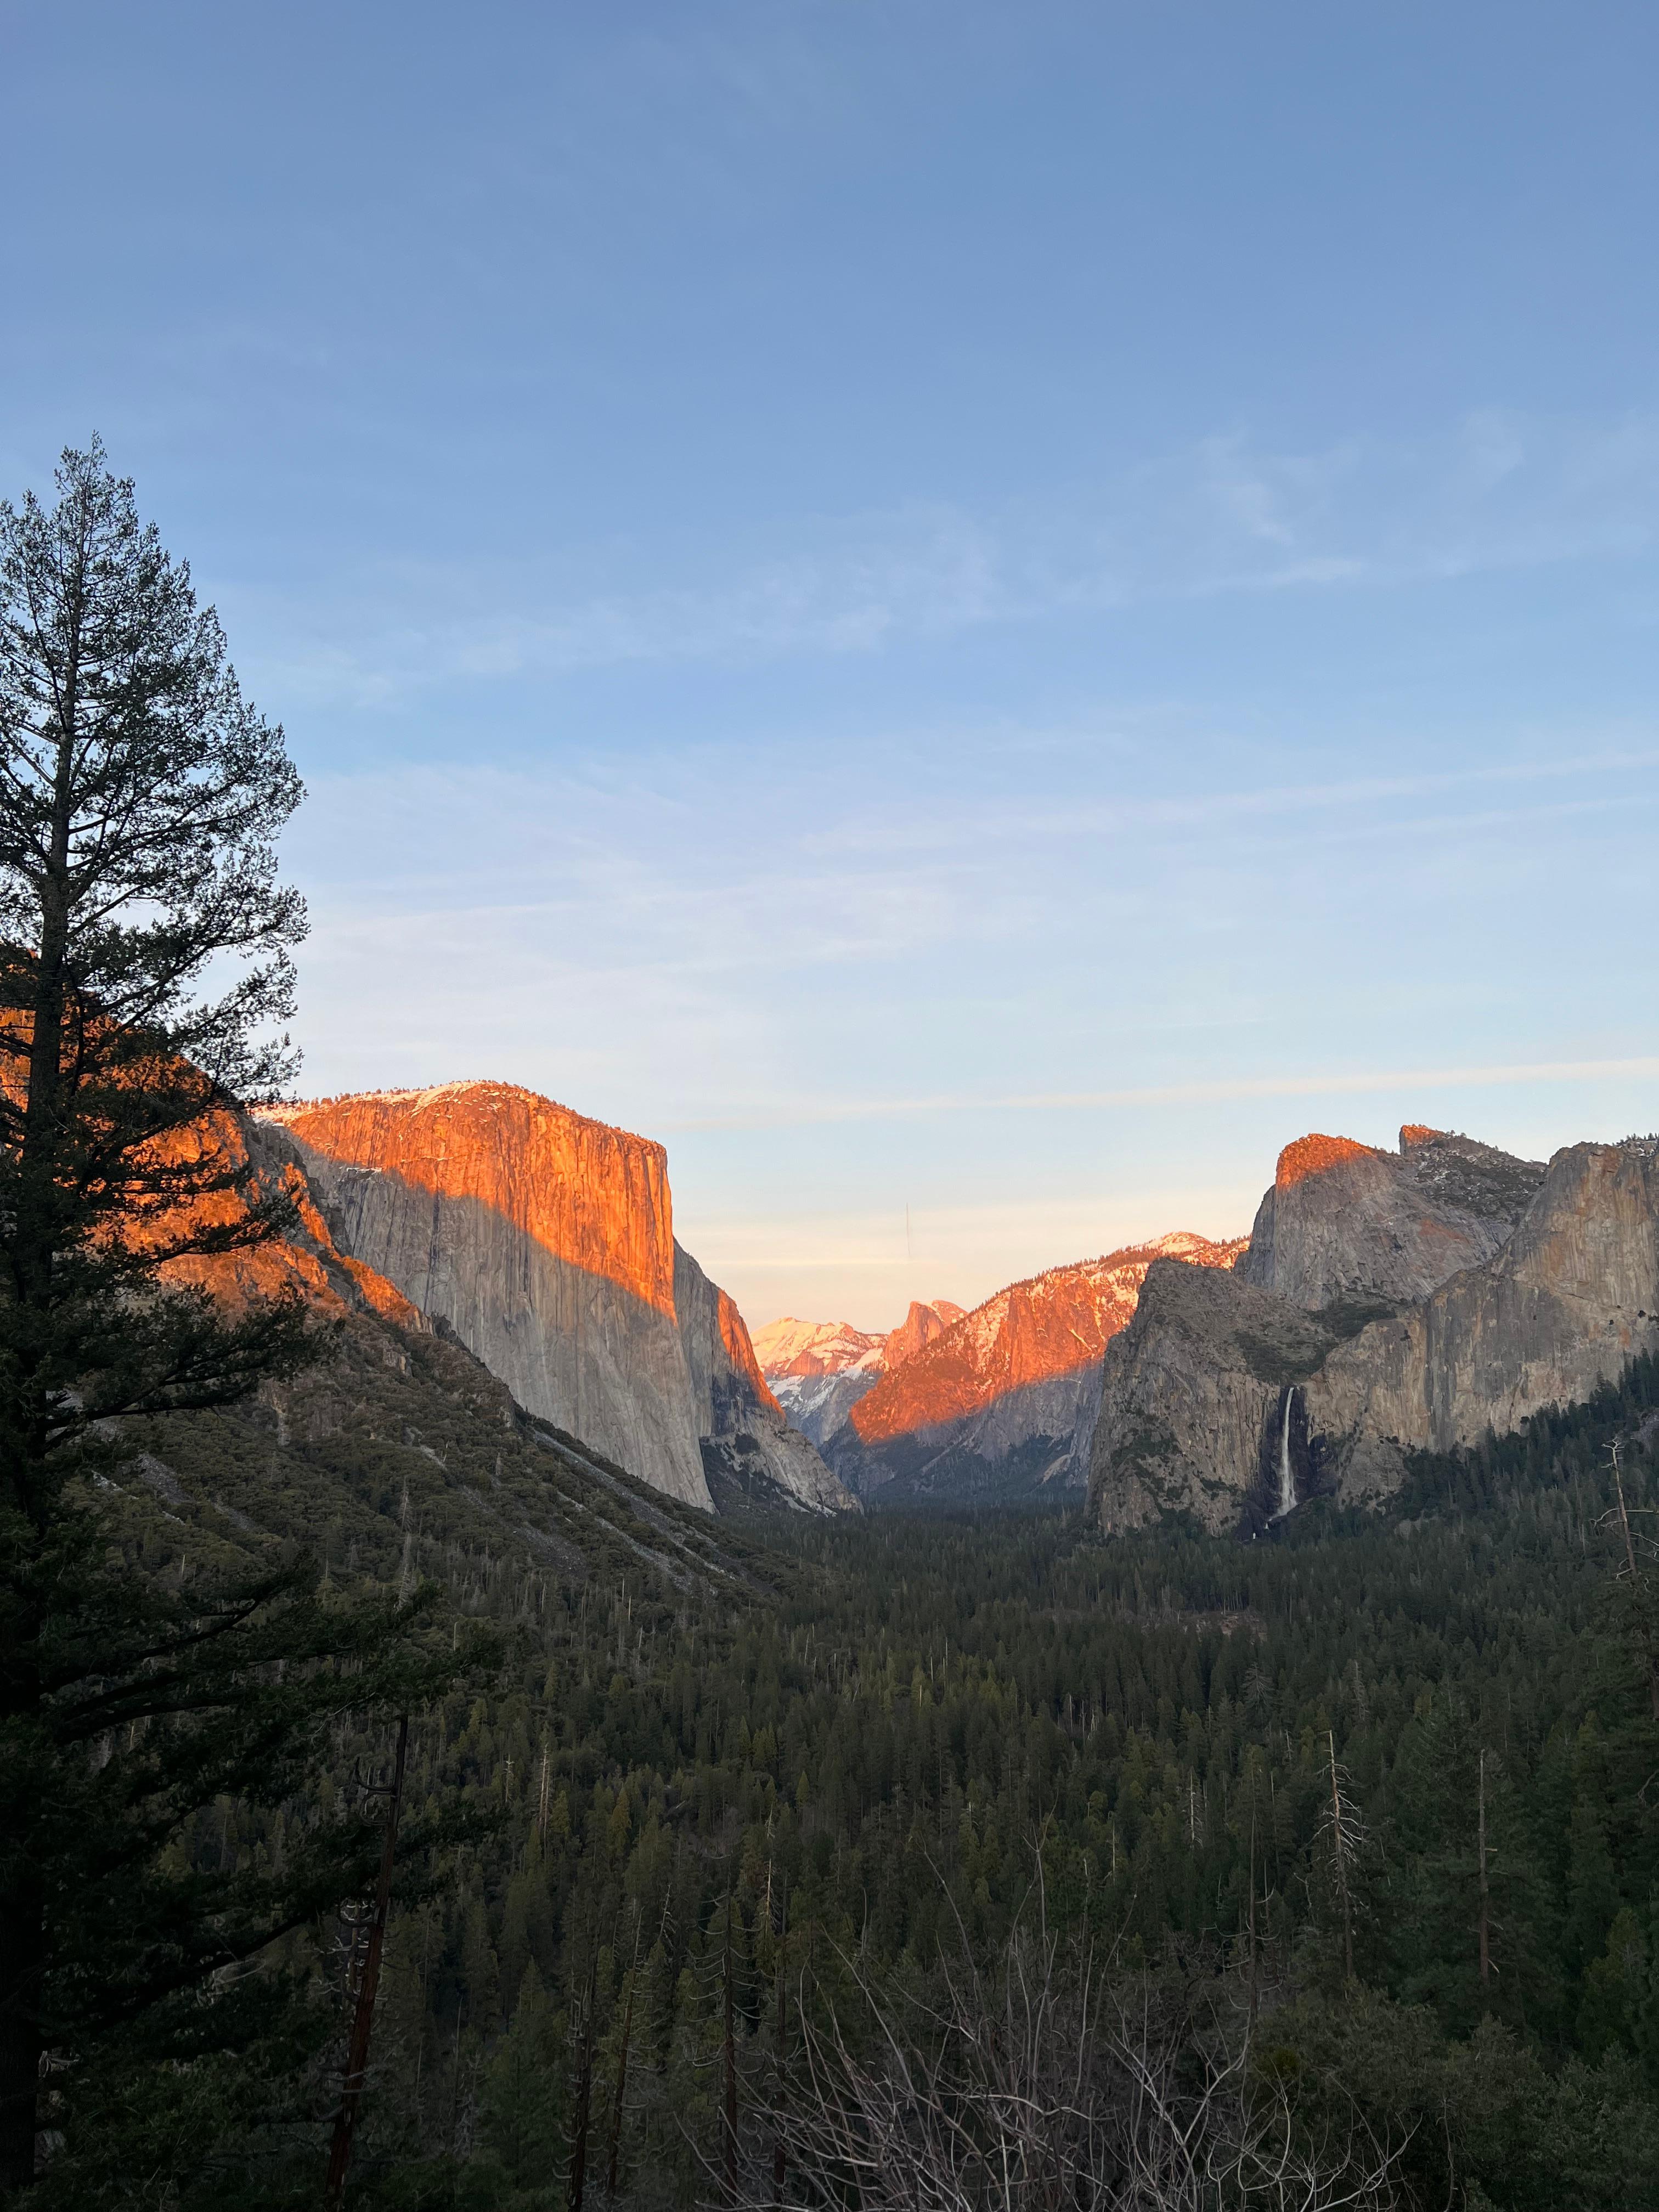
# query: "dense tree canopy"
846, 1749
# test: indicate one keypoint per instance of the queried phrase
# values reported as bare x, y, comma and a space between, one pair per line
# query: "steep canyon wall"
1387, 1304
545, 1240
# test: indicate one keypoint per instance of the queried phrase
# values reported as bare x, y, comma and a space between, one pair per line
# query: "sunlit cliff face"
1317, 1155
734, 1336
546, 1242
1055, 1325
589, 1195
1346, 1220
808, 1348
305, 1257
1388, 1303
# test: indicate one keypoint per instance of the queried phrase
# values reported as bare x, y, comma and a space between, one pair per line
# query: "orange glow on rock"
590, 1195
1317, 1155
1052, 1325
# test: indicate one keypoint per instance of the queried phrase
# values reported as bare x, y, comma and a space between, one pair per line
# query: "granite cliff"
545, 1240
1344, 1219
1386, 1304
748, 1446
1004, 1399
820, 1370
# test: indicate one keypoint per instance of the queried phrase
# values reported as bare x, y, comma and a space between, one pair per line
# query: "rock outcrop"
748, 1446
1343, 1219
1231, 1400
820, 1370
1004, 1399
306, 1258
545, 1240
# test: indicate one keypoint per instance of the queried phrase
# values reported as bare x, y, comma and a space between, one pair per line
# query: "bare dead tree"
1344, 1838
1051, 2084
620, 2099
577, 2179
367, 1984
729, 2059
1637, 1582
1486, 1886
781, 2056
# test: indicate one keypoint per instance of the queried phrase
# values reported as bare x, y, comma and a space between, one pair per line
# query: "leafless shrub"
1056, 2082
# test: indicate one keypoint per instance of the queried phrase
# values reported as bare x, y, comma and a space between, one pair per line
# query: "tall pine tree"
144, 977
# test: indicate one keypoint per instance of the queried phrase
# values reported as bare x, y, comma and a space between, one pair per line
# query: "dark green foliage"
885, 1721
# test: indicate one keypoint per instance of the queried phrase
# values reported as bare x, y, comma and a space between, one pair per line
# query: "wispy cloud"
1307, 1085
1085, 1223
1204, 811
1225, 516
905, 575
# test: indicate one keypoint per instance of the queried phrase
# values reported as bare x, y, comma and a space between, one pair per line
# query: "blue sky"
986, 609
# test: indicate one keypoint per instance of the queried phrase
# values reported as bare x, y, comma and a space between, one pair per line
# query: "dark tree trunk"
584, 2095
363, 2023
23, 1967
729, 2041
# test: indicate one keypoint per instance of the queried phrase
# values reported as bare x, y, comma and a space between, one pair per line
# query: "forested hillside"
734, 1779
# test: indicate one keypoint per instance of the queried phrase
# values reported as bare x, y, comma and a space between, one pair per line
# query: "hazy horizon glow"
988, 611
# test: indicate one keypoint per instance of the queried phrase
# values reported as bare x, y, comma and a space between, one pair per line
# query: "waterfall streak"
1286, 1473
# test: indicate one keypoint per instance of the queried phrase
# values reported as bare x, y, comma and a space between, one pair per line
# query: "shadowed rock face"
1219, 1383
1005, 1397
747, 1444
306, 1258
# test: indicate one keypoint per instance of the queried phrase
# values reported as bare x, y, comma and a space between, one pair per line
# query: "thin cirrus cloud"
1498, 491
1310, 1085
577, 888
1201, 811
426, 812
1067, 1230
908, 577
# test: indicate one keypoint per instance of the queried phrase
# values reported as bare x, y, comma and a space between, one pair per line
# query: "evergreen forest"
1370, 1802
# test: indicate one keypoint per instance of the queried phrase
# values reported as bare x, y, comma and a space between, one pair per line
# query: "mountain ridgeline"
1385, 1304
820, 1370
744, 1786
1001, 1403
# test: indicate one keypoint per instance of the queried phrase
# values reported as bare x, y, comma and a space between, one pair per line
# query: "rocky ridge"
820, 1370
1387, 1304
1344, 1219
545, 1240
1004, 1399
307, 1258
